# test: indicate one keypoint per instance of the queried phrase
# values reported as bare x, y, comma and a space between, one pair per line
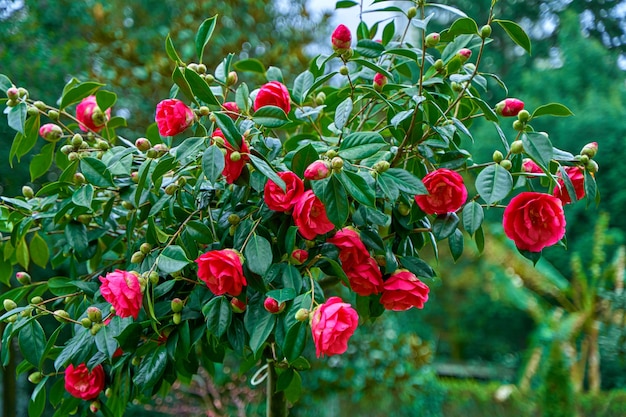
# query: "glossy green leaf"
494, 183
204, 35
96, 172
345, 4
242, 97
342, 114
267, 170
444, 225
259, 325
79, 92
182, 83
304, 157
228, 128
22, 254
17, 117
369, 48
282, 295
105, 99
373, 67
5, 83
516, 33
172, 259
39, 251
357, 188
76, 234
83, 196
405, 181
464, 25
213, 163
72, 347
270, 116
552, 109
295, 340
389, 32
258, 254
42, 162
455, 242
37, 403
32, 341
218, 315
151, 368
539, 148
250, 65
301, 86
200, 88
22, 144
336, 202
361, 145
274, 74
171, 51
473, 216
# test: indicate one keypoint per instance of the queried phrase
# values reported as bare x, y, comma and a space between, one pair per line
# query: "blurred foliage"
557, 393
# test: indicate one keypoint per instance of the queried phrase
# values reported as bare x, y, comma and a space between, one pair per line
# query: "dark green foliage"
556, 396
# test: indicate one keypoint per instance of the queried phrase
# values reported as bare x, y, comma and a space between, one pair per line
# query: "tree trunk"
594, 359
276, 401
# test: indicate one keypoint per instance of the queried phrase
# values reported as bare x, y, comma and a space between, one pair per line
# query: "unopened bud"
61, 316
381, 166
404, 209
145, 248
193, 66
237, 305
590, 149
35, 377
231, 79
299, 256
464, 54
235, 156
53, 115
137, 257
411, 13
497, 157
519, 126
36, 300
302, 314
76, 141
517, 147
9, 304
94, 407
23, 278
28, 192
40, 105
592, 166
432, 39
22, 92
336, 163
13, 93
73, 156
234, 219
143, 144
94, 314
201, 69
506, 164
320, 98
95, 328
343, 70
204, 111
50, 132
318, 170
152, 153
341, 39
523, 116
153, 277
509, 107
485, 31
177, 305
379, 81
272, 306
176, 318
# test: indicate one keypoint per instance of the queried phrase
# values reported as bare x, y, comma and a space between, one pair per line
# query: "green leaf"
444, 225
274, 74
76, 344
369, 48
228, 128
487, 110
242, 97
294, 391
304, 157
96, 172
464, 25
32, 341
76, 234
295, 340
282, 295
342, 114
5, 83
250, 65
267, 170
345, 4
171, 51
151, 368
204, 35
172, 259
389, 32
83, 196
373, 67
258, 253
405, 181
78, 92
22, 144
218, 315
516, 33
105, 339
37, 402
539, 148
270, 116
41, 163
213, 163
473, 216
360, 145
105, 99
301, 86
358, 188
336, 202
39, 252
552, 109
17, 117
259, 325
182, 83
494, 183
200, 88
455, 242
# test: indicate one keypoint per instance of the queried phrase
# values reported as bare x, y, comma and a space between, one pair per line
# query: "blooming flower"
123, 291
273, 93
332, 325
82, 383
309, 214
577, 177
279, 200
173, 117
447, 192
222, 272
89, 115
404, 290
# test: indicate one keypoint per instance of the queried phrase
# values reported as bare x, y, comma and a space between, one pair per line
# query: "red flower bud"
509, 107
379, 81
299, 256
237, 305
272, 306
318, 170
590, 149
50, 132
341, 38
464, 54
433, 39
232, 110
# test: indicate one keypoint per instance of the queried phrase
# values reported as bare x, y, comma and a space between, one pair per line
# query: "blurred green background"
498, 337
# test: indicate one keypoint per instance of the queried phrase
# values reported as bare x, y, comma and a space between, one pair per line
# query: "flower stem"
276, 401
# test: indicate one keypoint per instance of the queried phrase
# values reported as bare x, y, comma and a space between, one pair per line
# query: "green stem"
276, 401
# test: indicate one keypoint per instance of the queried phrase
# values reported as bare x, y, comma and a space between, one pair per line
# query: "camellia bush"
254, 220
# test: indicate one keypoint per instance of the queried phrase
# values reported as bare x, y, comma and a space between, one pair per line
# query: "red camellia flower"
528, 165
122, 290
83, 384
404, 290
173, 117
352, 251
509, 107
222, 272
365, 277
90, 116
534, 220
341, 38
332, 325
577, 177
234, 160
447, 192
279, 200
309, 214
232, 109
317, 170
273, 93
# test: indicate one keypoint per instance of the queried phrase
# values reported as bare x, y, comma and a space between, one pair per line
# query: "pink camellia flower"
82, 383
273, 93
379, 81
534, 220
528, 165
123, 291
341, 38
365, 278
317, 170
50, 132
299, 256
173, 117
447, 192
509, 107
234, 160
279, 200
464, 54
232, 109
309, 215
89, 115
352, 251
222, 272
404, 290
577, 177
332, 325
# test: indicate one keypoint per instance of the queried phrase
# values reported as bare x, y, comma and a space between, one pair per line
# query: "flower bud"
94, 407
235, 156
341, 39
343, 70
50, 132
506, 164
381, 166
9, 304
193, 66
73, 156
145, 248
404, 209
23, 278
237, 305
137, 257
302, 314
28, 192
36, 300
464, 54
67, 149
13, 93
320, 98
517, 147
152, 153
232, 109
379, 81
519, 126
176, 318
590, 149
95, 328
201, 69
61, 316
318, 170
143, 144
336, 163
53, 115
432, 39
485, 31
85, 322
22, 92
299, 256
411, 13
509, 107
231, 78
272, 306
153, 277
94, 314
77, 141
177, 305
331, 153
35, 377
592, 166
161, 148
497, 157
32, 111
523, 116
